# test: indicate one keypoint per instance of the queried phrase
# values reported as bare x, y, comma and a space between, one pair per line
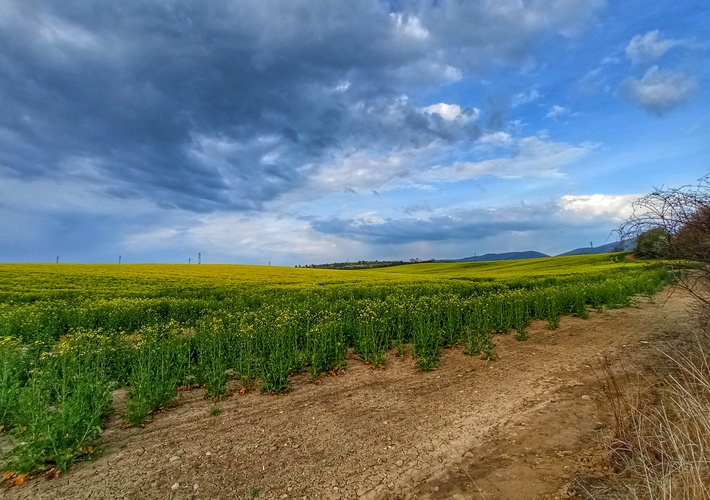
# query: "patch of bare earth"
508, 429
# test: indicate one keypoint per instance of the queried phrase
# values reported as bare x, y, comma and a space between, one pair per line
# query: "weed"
326, 346
12, 369
427, 341
279, 357
59, 413
159, 363
211, 356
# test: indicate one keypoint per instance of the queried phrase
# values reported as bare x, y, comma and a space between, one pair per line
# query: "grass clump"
212, 362
427, 340
160, 363
371, 337
12, 370
326, 346
59, 412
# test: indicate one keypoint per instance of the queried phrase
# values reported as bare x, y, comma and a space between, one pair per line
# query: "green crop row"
60, 359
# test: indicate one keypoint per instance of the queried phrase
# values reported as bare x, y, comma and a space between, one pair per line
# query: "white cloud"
525, 97
410, 26
364, 170
368, 218
557, 111
506, 226
614, 207
452, 112
648, 47
535, 157
257, 238
659, 91
496, 139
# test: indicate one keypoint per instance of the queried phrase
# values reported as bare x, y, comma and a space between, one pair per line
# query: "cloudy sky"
302, 131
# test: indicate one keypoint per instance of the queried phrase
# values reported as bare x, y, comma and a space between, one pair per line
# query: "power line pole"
199, 258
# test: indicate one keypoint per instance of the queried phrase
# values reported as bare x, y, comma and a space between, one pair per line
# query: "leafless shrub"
683, 216
673, 209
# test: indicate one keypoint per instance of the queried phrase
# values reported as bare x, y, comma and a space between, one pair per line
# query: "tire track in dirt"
506, 427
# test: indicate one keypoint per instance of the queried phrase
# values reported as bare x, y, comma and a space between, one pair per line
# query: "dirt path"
507, 429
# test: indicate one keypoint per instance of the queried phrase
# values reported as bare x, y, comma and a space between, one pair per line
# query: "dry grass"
660, 444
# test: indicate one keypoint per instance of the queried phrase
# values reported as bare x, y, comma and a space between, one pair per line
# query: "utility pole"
57, 259
189, 260
199, 258
119, 259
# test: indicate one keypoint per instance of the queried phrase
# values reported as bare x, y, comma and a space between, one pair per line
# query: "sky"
311, 131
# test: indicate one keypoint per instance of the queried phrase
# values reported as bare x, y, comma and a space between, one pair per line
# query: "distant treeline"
365, 264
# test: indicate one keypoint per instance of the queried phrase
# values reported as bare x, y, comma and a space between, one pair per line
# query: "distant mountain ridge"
623, 246
530, 254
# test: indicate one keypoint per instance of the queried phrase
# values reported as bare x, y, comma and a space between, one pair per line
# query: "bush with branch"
680, 216
674, 223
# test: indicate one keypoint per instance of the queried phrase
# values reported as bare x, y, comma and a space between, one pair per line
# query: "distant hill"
504, 256
625, 246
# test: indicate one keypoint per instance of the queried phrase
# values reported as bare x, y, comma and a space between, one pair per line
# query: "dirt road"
506, 429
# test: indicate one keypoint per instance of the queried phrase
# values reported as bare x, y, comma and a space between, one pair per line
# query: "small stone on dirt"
586, 397
175, 487
399, 463
174, 458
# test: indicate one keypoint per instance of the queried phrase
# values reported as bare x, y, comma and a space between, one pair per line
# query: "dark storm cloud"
229, 104
458, 226
409, 230
71, 237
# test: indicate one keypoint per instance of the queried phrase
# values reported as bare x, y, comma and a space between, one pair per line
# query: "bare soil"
514, 428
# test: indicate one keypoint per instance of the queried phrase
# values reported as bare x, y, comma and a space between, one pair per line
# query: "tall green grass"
58, 412
160, 362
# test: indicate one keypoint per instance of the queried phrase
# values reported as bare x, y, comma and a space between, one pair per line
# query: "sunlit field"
527, 268
71, 334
